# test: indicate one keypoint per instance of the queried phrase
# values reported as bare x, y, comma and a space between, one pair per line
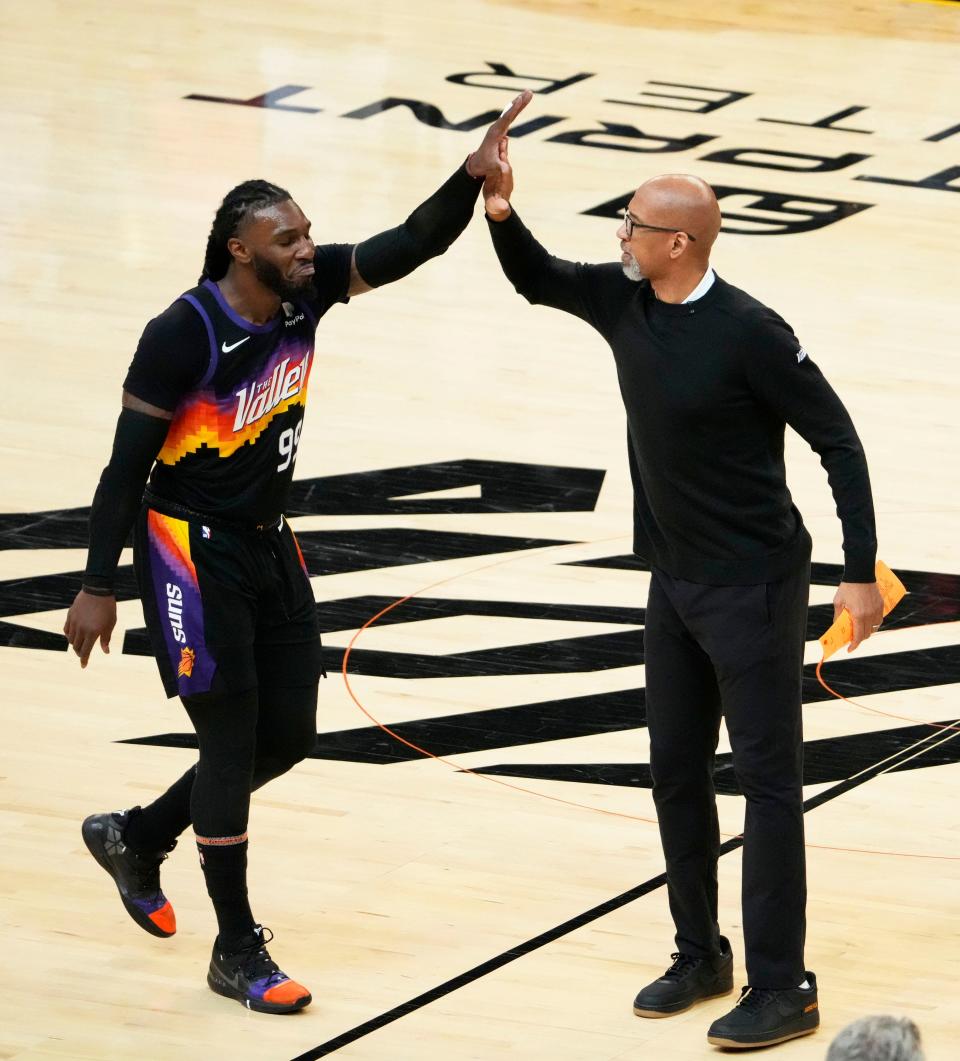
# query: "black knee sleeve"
287, 731
226, 725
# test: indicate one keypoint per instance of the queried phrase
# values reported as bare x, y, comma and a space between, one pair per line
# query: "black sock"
225, 871
157, 826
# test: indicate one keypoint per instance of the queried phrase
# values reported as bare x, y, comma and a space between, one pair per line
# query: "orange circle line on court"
572, 803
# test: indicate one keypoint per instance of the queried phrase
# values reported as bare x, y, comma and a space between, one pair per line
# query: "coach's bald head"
683, 200
672, 223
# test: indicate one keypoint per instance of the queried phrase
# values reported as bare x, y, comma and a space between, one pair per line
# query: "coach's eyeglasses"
630, 223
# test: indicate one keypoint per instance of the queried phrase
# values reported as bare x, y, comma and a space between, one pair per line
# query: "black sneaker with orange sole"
250, 976
136, 875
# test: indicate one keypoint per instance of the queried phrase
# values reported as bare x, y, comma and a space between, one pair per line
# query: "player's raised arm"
438, 221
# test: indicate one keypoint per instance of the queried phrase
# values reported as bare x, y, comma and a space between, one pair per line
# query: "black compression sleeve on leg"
158, 825
226, 726
426, 233
286, 729
137, 441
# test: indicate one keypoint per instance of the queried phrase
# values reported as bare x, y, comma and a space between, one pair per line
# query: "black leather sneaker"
688, 980
763, 1017
251, 977
136, 875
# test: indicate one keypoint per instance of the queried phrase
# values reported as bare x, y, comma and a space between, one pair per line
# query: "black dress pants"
735, 651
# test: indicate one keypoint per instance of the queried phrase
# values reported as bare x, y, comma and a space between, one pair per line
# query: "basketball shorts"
220, 604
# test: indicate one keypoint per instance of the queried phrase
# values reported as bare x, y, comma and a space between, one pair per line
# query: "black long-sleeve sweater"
709, 387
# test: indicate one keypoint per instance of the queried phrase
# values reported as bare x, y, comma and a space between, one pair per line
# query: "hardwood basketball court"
469, 450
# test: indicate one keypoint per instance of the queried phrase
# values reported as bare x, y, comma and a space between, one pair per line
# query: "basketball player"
213, 403
710, 377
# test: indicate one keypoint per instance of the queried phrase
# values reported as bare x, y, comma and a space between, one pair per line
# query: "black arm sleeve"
115, 505
590, 292
426, 233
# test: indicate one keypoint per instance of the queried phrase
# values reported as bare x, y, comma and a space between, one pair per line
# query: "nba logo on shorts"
205, 531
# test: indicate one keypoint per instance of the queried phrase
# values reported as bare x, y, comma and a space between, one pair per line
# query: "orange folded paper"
841, 632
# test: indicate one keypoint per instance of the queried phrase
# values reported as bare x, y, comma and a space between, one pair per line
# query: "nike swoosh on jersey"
226, 349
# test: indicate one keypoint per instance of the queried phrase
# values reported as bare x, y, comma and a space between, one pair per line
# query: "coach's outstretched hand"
485, 161
498, 187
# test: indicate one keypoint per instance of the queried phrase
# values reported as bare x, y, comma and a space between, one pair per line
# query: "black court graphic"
642, 121
498, 486
933, 599
844, 762
930, 742
516, 488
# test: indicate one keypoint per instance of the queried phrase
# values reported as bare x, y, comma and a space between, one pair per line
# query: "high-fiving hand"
498, 186
485, 161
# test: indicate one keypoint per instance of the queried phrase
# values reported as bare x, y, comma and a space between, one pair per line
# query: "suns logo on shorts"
187, 659
175, 612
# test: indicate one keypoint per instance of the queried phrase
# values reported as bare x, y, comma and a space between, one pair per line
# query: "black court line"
934, 739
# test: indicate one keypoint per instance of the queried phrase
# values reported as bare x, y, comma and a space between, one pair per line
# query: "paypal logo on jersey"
291, 315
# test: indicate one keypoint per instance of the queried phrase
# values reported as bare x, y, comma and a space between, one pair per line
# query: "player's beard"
271, 277
631, 269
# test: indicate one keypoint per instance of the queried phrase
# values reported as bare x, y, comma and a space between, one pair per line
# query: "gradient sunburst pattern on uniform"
206, 419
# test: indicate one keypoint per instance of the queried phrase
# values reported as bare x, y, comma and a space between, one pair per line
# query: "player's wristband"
97, 591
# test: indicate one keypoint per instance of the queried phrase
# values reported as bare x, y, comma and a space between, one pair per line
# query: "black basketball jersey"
238, 392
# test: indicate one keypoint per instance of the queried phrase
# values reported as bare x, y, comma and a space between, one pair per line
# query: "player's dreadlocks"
238, 204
